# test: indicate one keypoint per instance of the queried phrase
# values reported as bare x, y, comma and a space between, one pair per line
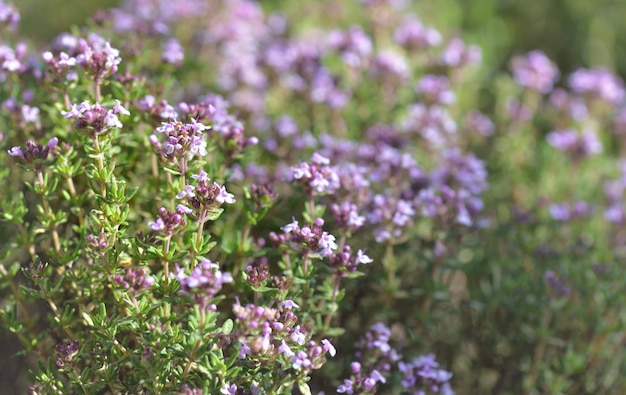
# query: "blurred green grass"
42, 20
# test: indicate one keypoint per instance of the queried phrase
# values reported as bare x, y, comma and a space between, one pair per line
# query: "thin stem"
305, 287
57, 314
48, 213
337, 280
166, 264
66, 99
155, 166
96, 144
201, 221
18, 298
72, 190
195, 348
98, 92
311, 207
191, 360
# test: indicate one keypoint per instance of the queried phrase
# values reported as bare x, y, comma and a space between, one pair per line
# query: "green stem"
100, 154
337, 280
48, 213
72, 190
305, 287
166, 264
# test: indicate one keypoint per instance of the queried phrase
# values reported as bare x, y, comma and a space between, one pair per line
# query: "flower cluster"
535, 71
135, 279
344, 261
569, 211
424, 376
204, 198
66, 352
271, 332
598, 83
306, 238
203, 284
9, 16
577, 145
169, 221
95, 119
316, 176
181, 142
375, 357
36, 154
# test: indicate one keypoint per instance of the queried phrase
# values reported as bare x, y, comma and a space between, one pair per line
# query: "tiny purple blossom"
328, 347
224, 196
301, 361
228, 389
289, 304
16, 151
285, 350
173, 52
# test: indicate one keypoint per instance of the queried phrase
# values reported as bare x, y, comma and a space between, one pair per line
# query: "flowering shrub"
203, 197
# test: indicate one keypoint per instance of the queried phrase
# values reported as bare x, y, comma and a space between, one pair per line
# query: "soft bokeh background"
573, 32
42, 20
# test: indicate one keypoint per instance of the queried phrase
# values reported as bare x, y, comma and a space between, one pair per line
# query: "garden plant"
233, 197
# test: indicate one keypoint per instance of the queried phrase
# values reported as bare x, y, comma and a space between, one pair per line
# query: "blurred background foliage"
572, 32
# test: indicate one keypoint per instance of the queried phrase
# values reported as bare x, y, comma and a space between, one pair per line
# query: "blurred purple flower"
535, 71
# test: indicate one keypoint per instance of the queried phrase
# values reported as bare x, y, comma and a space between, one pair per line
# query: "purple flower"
577, 145
228, 389
16, 151
30, 114
97, 57
168, 222
223, 196
457, 55
135, 279
390, 67
423, 374
173, 52
66, 351
598, 83
181, 141
301, 361
297, 336
412, 35
9, 16
289, 304
95, 119
535, 72
328, 347
203, 283
436, 89
34, 153
353, 45
347, 387
285, 350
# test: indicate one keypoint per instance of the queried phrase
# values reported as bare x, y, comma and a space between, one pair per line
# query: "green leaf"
87, 318
304, 388
227, 327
